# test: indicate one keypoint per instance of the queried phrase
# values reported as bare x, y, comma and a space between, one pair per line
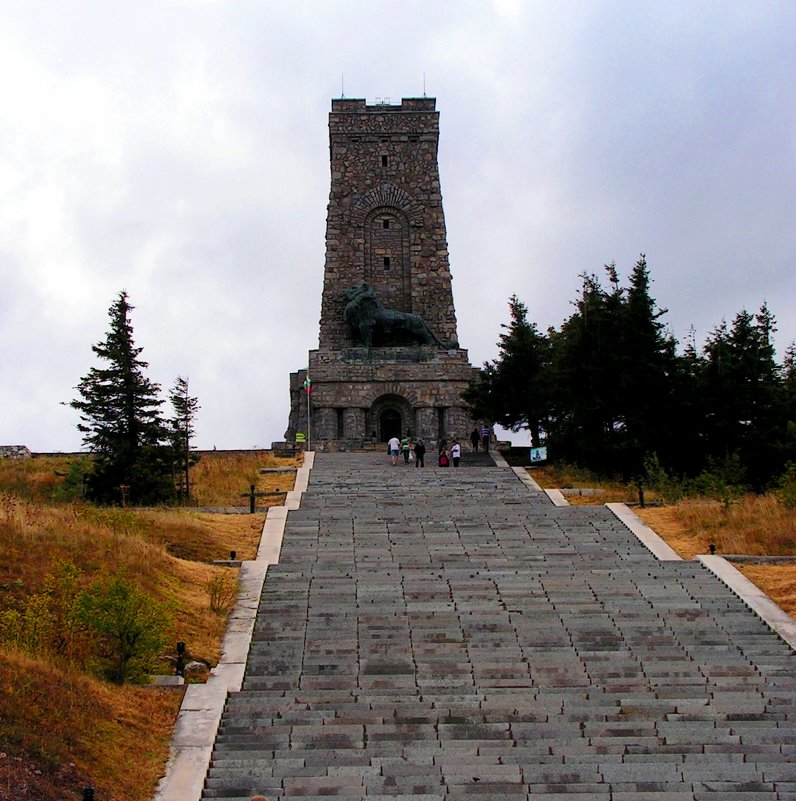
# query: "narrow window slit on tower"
385, 223
386, 262
384, 161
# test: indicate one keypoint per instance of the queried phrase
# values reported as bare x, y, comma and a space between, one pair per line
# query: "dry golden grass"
240, 533
217, 479
33, 537
610, 494
667, 523
568, 477
548, 478
199, 536
51, 715
222, 479
195, 623
777, 581
59, 717
101, 541
34, 478
757, 525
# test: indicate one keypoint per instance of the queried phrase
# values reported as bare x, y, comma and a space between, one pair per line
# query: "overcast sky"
179, 150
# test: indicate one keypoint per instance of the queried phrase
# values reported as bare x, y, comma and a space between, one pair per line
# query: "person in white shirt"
456, 452
394, 447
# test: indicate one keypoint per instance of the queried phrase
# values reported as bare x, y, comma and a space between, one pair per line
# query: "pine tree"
687, 452
120, 419
588, 425
181, 431
789, 407
746, 396
512, 389
647, 374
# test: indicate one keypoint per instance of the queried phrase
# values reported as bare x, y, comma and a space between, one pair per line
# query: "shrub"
222, 590
669, 488
73, 487
132, 626
723, 480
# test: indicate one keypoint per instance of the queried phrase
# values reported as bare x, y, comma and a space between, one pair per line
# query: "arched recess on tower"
387, 257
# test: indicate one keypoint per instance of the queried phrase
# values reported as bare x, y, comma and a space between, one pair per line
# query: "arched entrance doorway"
390, 415
389, 425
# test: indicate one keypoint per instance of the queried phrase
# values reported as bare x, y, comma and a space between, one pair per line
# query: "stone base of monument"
361, 397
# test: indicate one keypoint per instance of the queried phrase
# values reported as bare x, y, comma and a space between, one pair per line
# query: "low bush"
222, 589
131, 627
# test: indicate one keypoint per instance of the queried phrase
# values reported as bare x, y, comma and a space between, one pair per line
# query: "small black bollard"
88, 794
179, 665
251, 499
233, 555
640, 486
712, 547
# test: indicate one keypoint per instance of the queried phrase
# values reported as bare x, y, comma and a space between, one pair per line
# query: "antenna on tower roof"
342, 85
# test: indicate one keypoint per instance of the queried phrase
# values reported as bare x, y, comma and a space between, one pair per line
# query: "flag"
308, 385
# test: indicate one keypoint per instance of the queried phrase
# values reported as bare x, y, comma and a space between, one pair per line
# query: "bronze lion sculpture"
371, 322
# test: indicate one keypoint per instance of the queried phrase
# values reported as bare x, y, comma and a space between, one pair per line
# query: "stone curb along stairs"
778, 620
202, 705
771, 614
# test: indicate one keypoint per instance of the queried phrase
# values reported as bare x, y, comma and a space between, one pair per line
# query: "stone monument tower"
388, 360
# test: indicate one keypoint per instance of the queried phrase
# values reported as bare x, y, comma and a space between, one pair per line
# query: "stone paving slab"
452, 634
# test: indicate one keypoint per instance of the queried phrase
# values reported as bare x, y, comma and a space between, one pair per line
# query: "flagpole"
308, 390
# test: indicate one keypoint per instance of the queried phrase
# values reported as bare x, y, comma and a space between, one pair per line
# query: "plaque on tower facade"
388, 360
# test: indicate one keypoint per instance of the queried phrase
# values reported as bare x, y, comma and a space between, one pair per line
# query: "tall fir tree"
746, 397
512, 389
120, 419
588, 424
647, 374
181, 432
687, 452
789, 406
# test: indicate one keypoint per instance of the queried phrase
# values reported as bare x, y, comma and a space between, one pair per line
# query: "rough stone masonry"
386, 230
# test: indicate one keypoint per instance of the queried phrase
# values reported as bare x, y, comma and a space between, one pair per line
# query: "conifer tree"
648, 372
512, 389
687, 452
120, 419
181, 432
588, 424
789, 407
745, 396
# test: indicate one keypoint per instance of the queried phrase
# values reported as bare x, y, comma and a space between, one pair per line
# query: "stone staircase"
449, 634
